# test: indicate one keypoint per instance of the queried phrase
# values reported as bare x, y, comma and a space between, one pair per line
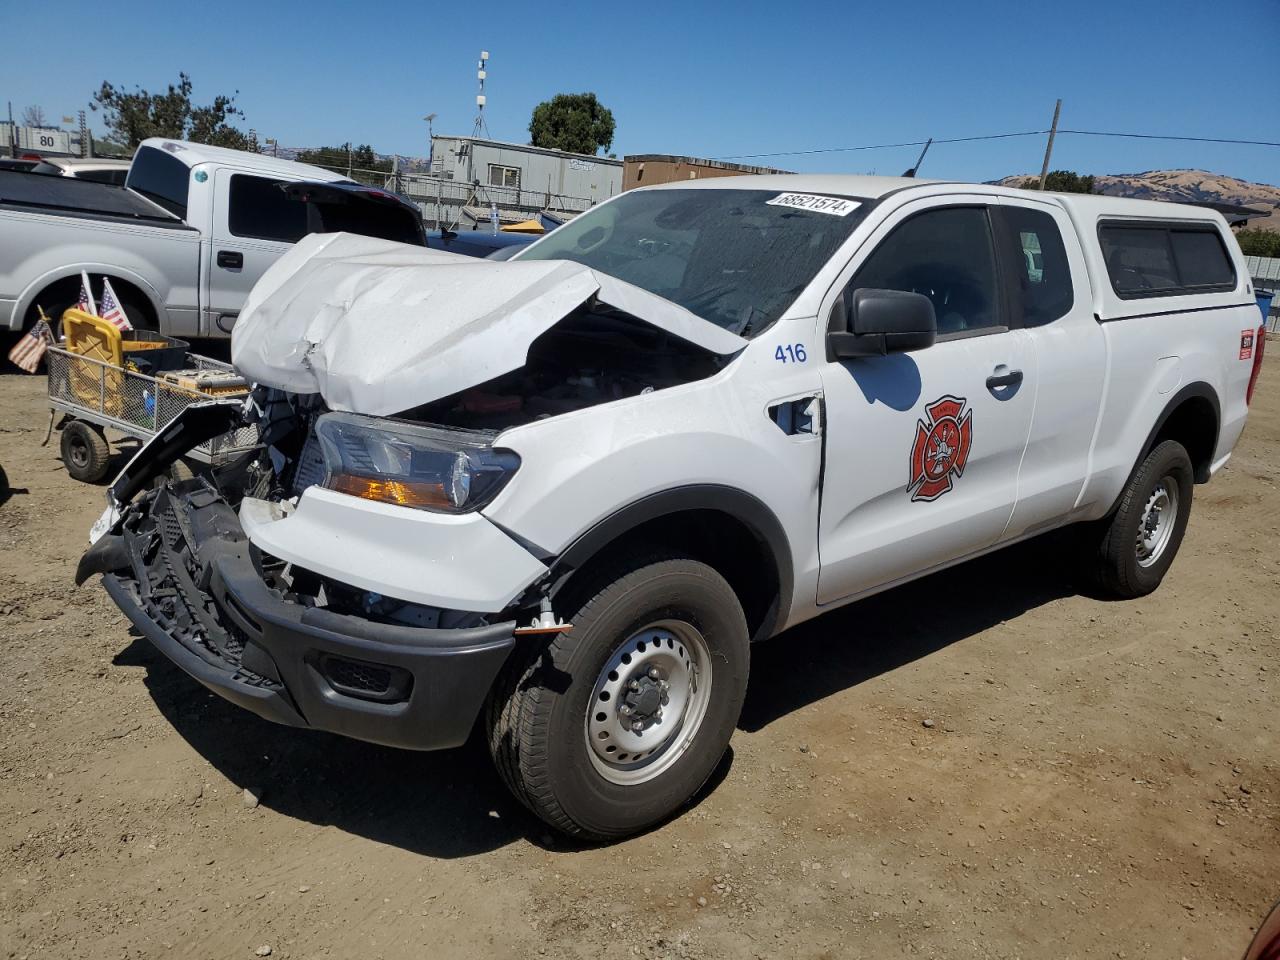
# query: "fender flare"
27, 297
1197, 389
744, 507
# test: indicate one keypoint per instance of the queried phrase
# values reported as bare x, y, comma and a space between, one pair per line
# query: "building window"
500, 176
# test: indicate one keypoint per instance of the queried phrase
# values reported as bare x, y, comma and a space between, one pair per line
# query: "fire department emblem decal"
941, 448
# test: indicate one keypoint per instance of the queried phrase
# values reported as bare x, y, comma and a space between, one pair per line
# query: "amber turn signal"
400, 492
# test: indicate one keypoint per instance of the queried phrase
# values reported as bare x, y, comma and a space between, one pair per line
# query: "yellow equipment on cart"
134, 382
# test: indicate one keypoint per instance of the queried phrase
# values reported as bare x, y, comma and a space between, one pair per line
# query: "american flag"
86, 295
112, 312
28, 351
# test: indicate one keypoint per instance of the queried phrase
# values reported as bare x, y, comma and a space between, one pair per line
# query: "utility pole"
86, 138
349, 160
13, 133
1048, 150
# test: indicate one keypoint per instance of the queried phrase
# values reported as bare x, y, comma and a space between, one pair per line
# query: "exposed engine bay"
593, 356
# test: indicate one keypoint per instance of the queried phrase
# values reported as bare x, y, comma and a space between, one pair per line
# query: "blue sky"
701, 79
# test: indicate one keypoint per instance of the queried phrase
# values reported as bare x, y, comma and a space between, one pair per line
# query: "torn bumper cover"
181, 568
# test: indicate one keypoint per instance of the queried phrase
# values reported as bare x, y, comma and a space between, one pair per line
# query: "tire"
1159, 492
85, 452
139, 316
554, 696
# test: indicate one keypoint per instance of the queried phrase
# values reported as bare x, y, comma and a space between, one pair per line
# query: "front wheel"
610, 728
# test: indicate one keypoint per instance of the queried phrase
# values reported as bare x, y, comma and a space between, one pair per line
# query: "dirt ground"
1097, 779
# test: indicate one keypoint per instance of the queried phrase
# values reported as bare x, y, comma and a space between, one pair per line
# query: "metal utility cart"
111, 390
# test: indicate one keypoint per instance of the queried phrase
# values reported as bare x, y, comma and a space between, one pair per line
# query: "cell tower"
481, 127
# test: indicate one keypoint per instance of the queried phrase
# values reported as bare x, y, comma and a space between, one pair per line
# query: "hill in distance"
1187, 186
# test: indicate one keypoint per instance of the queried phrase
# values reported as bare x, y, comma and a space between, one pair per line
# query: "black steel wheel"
85, 452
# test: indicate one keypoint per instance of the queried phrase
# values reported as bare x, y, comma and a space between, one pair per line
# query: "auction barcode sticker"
836, 206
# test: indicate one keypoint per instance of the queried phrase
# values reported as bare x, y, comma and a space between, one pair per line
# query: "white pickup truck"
563, 494
183, 241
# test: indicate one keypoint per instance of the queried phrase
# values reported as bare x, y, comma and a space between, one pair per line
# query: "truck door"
254, 224
923, 448
1053, 305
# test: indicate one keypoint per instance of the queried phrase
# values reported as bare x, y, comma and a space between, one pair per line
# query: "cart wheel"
85, 453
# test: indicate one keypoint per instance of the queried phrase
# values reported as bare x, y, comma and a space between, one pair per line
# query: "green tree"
132, 116
576, 122
1256, 242
362, 161
1061, 181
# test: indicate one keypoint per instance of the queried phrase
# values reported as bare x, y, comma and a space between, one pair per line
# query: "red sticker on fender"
1246, 344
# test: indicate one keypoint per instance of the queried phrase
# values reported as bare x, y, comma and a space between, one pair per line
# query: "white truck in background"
563, 494
183, 241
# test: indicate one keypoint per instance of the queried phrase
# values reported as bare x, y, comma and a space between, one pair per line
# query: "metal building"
519, 178
644, 169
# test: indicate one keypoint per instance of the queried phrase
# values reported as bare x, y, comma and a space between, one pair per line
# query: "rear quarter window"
260, 210
1162, 259
161, 178
1039, 262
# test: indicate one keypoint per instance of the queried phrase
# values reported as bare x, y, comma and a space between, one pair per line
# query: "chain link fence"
458, 204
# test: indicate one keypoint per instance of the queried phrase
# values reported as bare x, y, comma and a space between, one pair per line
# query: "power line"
1158, 136
1001, 136
880, 146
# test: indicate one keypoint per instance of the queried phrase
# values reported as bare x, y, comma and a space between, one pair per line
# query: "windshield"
737, 258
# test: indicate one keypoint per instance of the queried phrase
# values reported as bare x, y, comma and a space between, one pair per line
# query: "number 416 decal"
790, 353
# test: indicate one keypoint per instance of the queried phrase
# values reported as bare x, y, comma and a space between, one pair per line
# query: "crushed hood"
378, 327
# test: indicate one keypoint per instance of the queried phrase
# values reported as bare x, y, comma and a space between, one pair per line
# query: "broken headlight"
411, 465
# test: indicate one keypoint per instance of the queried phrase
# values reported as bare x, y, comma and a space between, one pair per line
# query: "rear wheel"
85, 452
610, 728
64, 296
1134, 548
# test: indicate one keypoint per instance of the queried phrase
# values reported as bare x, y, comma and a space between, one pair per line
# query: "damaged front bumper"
180, 566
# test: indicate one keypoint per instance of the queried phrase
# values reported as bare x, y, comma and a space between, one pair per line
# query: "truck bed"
65, 196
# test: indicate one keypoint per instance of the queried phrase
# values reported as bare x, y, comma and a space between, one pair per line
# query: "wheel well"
1194, 424
67, 291
715, 538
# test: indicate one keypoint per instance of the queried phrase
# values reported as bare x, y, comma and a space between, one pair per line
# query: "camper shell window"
1154, 259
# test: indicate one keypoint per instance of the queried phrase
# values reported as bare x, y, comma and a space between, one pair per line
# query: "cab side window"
946, 254
1038, 260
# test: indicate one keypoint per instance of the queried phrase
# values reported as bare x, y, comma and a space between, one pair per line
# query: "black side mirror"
880, 322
